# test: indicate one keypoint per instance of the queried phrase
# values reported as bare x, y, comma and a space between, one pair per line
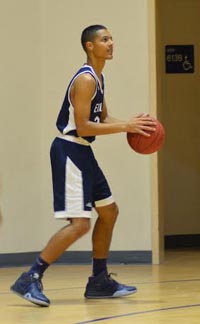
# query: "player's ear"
89, 46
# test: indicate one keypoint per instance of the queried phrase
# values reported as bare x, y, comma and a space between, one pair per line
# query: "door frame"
157, 228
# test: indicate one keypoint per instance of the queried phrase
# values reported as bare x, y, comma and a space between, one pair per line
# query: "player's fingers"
146, 123
148, 119
146, 115
141, 132
148, 128
138, 115
142, 114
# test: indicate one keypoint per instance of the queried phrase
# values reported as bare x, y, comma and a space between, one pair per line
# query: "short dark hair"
89, 33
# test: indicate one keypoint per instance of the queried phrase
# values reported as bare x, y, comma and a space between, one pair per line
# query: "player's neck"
97, 66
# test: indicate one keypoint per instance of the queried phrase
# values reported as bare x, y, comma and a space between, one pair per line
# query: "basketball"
147, 145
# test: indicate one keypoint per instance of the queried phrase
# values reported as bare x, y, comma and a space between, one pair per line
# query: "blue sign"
179, 58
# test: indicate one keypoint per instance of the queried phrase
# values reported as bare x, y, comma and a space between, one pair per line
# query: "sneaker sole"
32, 300
117, 294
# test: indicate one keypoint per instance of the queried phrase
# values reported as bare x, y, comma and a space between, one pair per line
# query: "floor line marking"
138, 313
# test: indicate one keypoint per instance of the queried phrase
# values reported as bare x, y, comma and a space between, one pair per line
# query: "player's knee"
81, 226
109, 213
115, 212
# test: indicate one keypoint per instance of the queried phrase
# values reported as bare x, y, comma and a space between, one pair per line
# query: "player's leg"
68, 198
100, 284
64, 238
29, 285
68, 161
107, 216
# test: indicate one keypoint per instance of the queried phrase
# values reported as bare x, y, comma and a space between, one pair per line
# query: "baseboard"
77, 257
182, 241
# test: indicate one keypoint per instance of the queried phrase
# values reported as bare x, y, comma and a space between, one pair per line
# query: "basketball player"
78, 182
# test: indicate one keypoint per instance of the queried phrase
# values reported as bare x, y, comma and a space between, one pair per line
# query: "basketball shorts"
78, 182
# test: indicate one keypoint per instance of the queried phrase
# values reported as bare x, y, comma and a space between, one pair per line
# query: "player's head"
89, 34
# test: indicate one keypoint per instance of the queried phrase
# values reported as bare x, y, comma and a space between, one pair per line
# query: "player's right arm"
81, 95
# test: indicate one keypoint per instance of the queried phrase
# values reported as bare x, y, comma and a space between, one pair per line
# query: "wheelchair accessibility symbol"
179, 58
186, 64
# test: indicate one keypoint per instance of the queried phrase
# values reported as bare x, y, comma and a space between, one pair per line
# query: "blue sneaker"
29, 287
103, 286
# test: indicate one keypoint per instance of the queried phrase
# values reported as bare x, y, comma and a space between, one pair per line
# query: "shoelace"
110, 278
35, 278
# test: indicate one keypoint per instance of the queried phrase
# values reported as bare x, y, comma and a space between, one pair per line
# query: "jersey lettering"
98, 107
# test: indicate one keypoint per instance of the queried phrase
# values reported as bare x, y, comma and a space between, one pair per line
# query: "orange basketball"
147, 145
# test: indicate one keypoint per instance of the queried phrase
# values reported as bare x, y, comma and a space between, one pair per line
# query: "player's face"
103, 45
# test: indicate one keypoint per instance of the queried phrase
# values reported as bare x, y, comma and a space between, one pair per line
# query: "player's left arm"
106, 117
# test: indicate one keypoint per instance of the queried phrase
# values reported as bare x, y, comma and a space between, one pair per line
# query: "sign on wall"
179, 58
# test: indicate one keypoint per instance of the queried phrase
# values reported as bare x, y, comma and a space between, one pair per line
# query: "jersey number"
97, 119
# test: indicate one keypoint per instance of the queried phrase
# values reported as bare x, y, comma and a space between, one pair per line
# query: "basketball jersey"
66, 121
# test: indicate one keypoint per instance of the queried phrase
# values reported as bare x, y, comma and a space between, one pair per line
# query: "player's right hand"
141, 124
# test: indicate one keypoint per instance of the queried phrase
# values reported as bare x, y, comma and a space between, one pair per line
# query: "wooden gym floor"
167, 293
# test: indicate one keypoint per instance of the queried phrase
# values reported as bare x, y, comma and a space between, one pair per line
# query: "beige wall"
40, 51
20, 126
178, 24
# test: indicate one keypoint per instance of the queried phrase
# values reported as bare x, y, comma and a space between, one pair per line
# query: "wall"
178, 24
20, 126
41, 41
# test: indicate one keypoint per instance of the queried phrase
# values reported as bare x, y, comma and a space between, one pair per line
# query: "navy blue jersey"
65, 121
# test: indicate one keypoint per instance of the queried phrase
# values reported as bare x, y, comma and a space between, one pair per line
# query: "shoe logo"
35, 275
89, 205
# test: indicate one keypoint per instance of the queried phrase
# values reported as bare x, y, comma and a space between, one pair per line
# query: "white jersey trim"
90, 72
71, 123
74, 139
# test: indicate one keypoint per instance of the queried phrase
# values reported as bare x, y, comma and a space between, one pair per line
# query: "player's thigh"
102, 195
